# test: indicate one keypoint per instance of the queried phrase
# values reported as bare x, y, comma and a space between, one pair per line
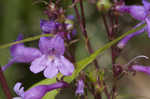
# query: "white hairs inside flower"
17, 98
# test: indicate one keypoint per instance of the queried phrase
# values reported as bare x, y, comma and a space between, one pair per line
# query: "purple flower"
52, 60
141, 68
22, 54
138, 12
49, 58
36, 92
71, 17
80, 87
47, 26
58, 27
125, 40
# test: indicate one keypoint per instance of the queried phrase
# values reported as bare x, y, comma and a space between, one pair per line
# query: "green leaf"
84, 62
25, 40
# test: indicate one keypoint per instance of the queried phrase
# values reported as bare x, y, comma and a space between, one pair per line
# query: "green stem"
83, 63
25, 40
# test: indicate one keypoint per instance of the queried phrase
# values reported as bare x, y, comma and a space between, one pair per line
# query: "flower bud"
103, 5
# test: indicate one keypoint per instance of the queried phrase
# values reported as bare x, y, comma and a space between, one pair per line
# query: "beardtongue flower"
52, 60
80, 87
21, 54
141, 68
141, 13
136, 11
36, 92
49, 58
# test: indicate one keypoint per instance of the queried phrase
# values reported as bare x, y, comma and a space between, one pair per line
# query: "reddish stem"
83, 26
4, 85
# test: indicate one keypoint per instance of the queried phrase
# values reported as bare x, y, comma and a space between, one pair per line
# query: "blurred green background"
23, 16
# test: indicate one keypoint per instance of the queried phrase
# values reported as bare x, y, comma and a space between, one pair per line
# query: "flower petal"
47, 26
58, 44
18, 89
20, 37
138, 12
146, 6
66, 67
39, 64
39, 91
51, 69
80, 87
71, 17
125, 40
44, 44
36, 92
22, 53
17, 98
141, 68
53, 46
26, 54
11, 61
148, 26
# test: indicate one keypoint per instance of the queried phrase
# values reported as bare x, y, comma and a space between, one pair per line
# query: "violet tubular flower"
36, 92
141, 13
21, 54
80, 87
52, 60
49, 58
140, 68
138, 12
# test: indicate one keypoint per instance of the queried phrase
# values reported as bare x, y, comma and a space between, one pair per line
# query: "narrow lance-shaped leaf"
25, 40
83, 63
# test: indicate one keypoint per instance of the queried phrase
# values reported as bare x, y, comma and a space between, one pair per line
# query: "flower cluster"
49, 58
50, 55
140, 13
55, 27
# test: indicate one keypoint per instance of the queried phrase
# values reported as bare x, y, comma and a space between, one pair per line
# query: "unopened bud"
103, 5
70, 24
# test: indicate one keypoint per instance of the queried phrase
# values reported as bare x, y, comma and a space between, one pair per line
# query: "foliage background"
23, 16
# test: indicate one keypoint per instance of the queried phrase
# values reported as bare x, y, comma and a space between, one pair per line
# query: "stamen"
132, 60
